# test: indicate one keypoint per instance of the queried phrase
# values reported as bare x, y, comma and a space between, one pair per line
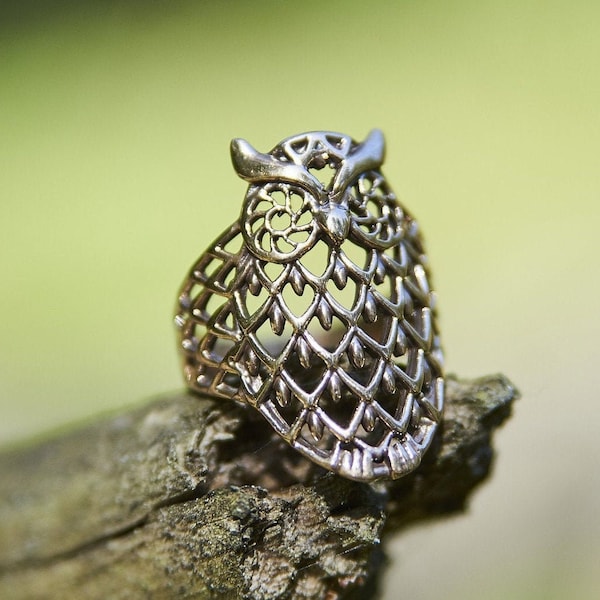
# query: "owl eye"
278, 221
376, 213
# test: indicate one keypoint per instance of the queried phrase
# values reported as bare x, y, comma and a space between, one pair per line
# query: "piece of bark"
188, 497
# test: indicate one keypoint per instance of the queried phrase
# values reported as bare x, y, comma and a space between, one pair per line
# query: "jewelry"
315, 309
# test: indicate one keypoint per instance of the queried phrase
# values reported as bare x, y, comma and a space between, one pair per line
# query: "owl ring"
314, 308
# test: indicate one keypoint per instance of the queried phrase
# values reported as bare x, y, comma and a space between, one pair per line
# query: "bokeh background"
115, 119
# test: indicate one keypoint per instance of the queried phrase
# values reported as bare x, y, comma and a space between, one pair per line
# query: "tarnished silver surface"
315, 308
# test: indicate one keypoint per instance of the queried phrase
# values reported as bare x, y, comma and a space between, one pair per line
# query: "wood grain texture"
188, 497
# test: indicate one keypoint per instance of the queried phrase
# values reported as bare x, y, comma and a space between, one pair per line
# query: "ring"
315, 309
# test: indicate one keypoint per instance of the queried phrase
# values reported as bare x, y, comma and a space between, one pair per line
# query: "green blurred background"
115, 119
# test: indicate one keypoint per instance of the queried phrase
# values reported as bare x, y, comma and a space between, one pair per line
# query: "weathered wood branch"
187, 497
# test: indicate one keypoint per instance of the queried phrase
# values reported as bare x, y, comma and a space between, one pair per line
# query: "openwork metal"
315, 309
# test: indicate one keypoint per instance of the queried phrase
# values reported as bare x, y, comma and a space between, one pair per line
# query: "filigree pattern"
278, 221
334, 344
377, 216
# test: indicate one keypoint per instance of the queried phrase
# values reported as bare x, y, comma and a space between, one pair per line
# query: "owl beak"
336, 222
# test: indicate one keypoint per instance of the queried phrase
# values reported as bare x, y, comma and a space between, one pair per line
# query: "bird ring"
315, 308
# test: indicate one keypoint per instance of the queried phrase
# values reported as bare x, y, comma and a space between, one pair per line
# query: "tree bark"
188, 497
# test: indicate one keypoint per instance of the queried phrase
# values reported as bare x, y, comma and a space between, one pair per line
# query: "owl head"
318, 185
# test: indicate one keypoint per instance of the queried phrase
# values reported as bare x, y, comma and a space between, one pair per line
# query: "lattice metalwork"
315, 308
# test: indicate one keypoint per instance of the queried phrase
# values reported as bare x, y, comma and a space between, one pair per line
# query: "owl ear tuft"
367, 156
374, 146
256, 167
245, 159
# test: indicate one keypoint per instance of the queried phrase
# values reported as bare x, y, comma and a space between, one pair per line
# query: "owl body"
315, 309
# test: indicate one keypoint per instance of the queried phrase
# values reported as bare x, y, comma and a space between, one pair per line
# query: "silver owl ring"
314, 308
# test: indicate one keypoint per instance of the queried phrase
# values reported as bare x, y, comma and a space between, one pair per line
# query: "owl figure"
315, 308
